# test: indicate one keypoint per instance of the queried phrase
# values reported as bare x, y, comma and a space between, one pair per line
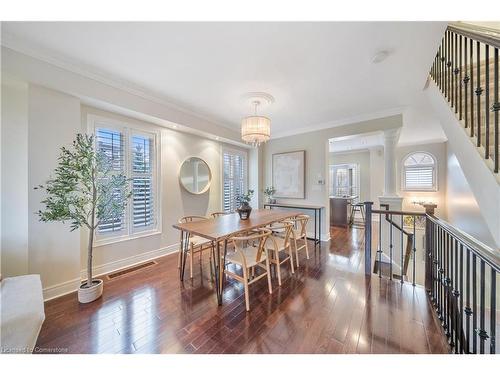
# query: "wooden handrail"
484, 252
478, 33
395, 212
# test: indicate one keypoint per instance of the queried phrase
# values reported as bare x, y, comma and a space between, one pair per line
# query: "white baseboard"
116, 265
70, 286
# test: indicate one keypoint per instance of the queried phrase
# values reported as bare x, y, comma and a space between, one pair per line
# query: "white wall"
462, 208
54, 251
14, 199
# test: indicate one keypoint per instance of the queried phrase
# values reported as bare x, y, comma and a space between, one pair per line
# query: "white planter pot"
86, 295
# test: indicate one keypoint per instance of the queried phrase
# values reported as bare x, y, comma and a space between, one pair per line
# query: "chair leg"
307, 247
268, 270
363, 214
290, 253
278, 268
179, 259
245, 283
296, 252
191, 254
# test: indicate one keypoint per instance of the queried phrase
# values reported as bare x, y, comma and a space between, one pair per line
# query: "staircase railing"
460, 278
465, 69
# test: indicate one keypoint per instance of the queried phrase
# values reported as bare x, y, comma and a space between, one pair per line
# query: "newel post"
368, 237
429, 210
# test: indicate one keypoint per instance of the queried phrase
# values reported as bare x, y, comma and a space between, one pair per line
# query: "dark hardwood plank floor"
327, 306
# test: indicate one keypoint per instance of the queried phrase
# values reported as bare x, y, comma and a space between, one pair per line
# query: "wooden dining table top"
222, 227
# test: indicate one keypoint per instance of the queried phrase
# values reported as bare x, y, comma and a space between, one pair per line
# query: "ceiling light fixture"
380, 56
256, 129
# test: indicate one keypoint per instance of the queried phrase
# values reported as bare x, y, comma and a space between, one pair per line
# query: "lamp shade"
255, 129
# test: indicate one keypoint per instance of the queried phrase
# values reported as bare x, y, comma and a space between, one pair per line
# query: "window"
419, 172
133, 153
344, 180
234, 164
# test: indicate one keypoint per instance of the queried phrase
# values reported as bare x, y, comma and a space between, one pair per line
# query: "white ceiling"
320, 74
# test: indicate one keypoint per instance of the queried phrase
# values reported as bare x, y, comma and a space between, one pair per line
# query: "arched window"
419, 172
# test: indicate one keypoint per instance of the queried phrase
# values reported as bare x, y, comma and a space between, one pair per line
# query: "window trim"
434, 173
128, 129
226, 149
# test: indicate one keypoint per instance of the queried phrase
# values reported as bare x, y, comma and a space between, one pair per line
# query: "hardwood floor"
327, 306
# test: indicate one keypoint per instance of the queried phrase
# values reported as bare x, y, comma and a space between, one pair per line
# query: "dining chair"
299, 233
280, 241
219, 213
196, 245
250, 252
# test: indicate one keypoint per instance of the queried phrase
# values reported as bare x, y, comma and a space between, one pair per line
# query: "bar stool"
357, 207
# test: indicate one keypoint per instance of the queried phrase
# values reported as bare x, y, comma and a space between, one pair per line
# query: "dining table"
219, 230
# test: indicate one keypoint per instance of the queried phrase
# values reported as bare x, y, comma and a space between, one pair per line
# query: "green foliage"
245, 198
269, 191
85, 190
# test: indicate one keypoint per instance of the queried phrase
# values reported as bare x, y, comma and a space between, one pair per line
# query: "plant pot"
244, 211
86, 294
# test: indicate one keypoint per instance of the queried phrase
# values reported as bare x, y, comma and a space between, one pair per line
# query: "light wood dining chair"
250, 252
196, 245
280, 241
299, 233
219, 213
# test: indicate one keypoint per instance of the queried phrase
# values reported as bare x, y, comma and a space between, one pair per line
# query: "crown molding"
14, 43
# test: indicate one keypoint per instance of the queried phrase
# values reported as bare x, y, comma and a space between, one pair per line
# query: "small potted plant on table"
244, 208
269, 192
85, 193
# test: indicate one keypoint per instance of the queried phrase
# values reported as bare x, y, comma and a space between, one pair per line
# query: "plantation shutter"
419, 178
234, 165
143, 192
111, 143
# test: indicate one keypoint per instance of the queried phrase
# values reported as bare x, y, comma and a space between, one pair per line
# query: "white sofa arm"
22, 313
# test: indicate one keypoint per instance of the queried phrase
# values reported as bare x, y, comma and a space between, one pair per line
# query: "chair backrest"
301, 222
261, 235
284, 229
219, 213
188, 219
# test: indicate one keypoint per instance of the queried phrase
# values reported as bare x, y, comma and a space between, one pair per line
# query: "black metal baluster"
441, 275
436, 264
447, 283
402, 259
441, 62
467, 310
466, 81
448, 66
482, 332
479, 91
390, 247
487, 102
461, 307
493, 311
471, 57
414, 251
460, 69
451, 281
474, 304
380, 245
496, 108
455, 72
456, 295
452, 63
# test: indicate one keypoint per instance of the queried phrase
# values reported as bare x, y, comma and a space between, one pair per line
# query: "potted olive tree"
85, 192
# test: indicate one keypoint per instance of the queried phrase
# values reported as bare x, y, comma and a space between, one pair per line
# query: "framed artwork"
289, 174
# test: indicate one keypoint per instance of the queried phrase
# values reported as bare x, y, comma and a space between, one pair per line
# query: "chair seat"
250, 254
280, 242
198, 241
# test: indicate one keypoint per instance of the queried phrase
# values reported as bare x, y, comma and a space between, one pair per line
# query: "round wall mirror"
195, 175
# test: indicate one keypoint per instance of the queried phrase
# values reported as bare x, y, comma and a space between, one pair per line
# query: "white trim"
72, 285
129, 129
117, 265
